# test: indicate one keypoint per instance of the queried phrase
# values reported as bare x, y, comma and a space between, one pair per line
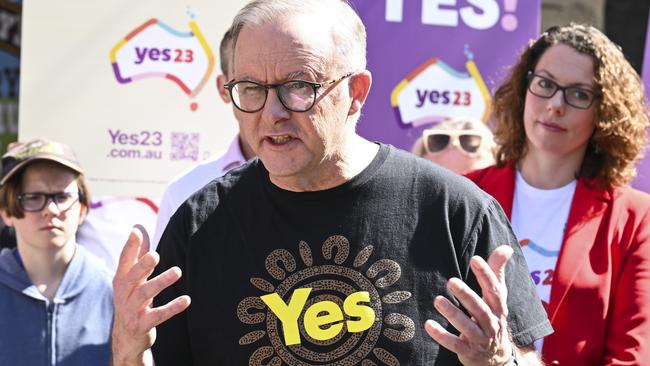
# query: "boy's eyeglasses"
436, 141
574, 96
36, 201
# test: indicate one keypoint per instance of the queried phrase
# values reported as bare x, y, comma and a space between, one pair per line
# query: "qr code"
185, 146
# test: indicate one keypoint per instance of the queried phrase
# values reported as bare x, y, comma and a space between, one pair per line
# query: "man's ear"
360, 83
8, 220
223, 93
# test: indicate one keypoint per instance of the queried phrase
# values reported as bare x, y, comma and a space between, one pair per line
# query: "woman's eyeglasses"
574, 96
36, 201
436, 141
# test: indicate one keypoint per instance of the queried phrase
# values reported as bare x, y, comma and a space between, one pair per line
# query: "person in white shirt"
181, 187
108, 219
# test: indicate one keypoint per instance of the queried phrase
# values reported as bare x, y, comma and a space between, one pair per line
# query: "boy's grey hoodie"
73, 329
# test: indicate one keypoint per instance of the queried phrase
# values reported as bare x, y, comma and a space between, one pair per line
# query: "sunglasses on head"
436, 141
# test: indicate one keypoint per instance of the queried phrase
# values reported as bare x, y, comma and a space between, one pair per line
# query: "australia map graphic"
435, 90
156, 50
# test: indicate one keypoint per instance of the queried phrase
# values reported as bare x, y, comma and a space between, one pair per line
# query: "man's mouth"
280, 139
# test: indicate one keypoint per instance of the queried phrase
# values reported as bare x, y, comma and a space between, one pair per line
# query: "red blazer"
600, 295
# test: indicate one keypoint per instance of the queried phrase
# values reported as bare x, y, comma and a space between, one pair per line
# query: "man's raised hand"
135, 320
484, 338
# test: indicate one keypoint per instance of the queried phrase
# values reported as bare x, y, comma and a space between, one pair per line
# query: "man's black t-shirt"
344, 276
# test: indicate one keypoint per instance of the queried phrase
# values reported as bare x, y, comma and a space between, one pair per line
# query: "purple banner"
642, 180
646, 59
437, 58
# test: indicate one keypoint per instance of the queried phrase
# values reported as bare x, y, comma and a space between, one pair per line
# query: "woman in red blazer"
571, 117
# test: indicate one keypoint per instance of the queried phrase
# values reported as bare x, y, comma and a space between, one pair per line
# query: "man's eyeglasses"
36, 201
437, 140
574, 96
295, 95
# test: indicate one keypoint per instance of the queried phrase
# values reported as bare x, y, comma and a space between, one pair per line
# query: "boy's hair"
22, 155
12, 188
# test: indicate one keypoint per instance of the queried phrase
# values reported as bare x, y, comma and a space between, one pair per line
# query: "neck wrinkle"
339, 168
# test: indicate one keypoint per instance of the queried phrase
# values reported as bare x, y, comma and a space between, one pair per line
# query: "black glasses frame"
48, 197
315, 86
531, 75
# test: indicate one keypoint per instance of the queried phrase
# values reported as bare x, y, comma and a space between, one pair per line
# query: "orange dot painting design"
324, 312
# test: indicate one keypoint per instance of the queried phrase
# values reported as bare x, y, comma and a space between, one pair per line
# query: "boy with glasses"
56, 298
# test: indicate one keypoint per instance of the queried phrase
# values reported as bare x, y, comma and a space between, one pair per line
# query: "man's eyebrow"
243, 77
296, 75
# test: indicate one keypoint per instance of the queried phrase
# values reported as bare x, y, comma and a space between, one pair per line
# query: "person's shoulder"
216, 198
88, 275
490, 173
479, 174
433, 181
404, 163
87, 287
198, 175
93, 266
631, 199
214, 192
231, 179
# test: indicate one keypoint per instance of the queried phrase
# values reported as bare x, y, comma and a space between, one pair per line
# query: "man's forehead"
283, 48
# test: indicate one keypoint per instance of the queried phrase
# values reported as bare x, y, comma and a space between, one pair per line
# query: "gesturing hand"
135, 320
483, 338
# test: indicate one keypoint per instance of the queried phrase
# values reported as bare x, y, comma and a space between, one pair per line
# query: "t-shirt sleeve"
172, 345
527, 318
165, 210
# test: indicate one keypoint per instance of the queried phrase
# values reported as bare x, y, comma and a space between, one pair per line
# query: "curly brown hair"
621, 115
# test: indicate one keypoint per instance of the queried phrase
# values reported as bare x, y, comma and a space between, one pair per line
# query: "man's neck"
347, 163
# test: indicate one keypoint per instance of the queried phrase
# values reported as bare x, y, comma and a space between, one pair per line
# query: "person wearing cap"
55, 298
460, 144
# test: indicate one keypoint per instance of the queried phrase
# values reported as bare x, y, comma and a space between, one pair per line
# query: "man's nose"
274, 111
